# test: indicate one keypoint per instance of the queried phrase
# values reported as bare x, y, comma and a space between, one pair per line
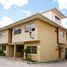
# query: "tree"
25, 51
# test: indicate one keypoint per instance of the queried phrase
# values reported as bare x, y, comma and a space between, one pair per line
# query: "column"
14, 50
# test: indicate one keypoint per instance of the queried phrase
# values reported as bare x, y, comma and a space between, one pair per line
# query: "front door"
61, 52
19, 52
66, 53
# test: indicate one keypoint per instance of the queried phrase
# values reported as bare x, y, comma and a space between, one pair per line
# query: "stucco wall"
66, 41
35, 57
51, 15
10, 51
48, 15
4, 38
48, 42
24, 36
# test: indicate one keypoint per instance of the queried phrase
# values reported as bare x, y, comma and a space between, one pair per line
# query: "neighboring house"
41, 33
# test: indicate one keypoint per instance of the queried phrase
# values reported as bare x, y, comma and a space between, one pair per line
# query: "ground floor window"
32, 49
4, 47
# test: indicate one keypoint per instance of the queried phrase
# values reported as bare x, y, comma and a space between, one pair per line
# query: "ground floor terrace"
16, 50
37, 53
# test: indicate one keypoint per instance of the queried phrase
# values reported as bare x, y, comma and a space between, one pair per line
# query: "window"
30, 27
27, 28
29, 49
17, 31
2, 34
32, 49
4, 47
62, 34
57, 18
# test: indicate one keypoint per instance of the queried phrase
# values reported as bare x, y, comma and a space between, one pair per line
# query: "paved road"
4, 62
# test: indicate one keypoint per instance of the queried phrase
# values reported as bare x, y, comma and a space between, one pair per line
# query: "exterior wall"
10, 36
54, 19
24, 36
66, 48
47, 48
51, 15
66, 41
35, 57
48, 42
10, 51
48, 15
4, 38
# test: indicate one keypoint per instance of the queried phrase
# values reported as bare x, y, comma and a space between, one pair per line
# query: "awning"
16, 43
3, 43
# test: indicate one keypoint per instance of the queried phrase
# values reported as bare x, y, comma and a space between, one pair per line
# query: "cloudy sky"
14, 10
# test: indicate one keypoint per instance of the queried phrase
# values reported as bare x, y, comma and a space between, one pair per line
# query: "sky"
15, 10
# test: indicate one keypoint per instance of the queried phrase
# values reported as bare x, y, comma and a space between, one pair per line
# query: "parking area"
10, 62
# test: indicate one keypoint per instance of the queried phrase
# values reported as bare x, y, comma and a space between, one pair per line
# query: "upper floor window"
17, 31
30, 27
57, 19
62, 34
1, 34
4, 47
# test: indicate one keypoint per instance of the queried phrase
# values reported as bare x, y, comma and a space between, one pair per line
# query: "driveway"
8, 62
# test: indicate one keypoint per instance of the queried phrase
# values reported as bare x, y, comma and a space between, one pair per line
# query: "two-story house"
41, 33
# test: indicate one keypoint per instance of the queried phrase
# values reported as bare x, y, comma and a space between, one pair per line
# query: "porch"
15, 50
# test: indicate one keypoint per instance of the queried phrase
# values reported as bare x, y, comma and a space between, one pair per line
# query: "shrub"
25, 51
29, 58
2, 53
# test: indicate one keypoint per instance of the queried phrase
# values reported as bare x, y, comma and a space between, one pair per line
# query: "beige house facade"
41, 33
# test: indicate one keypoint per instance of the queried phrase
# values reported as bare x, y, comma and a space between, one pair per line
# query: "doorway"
61, 51
19, 51
65, 53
